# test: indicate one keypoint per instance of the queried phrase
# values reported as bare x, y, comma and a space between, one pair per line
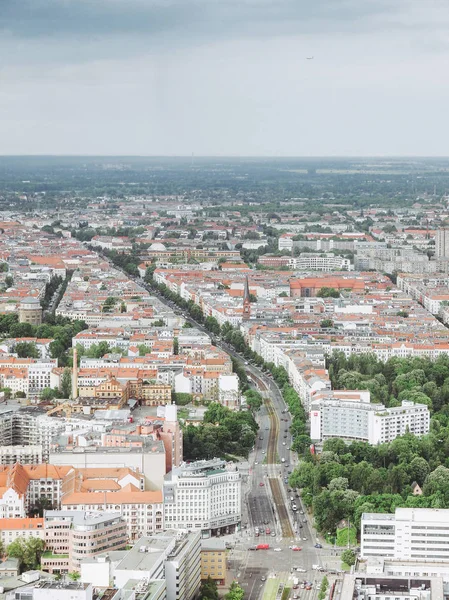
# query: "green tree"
26, 350
235, 592
74, 576
327, 292
66, 383
29, 552
349, 557
326, 324
175, 346
49, 394
208, 590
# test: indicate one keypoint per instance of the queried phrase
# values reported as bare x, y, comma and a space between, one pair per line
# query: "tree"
175, 345
49, 394
349, 557
327, 292
74, 576
9, 281
26, 350
42, 504
235, 592
66, 383
29, 552
208, 590
326, 323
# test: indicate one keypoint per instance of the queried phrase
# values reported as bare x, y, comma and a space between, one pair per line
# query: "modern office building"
350, 415
71, 536
408, 534
203, 496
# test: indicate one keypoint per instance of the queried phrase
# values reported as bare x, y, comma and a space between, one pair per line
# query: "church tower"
246, 301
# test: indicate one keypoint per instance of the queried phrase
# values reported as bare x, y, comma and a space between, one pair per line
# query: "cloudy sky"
224, 77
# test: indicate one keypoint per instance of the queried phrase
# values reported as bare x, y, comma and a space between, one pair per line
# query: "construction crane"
68, 408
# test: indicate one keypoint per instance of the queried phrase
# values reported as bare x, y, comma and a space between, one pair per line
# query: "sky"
224, 77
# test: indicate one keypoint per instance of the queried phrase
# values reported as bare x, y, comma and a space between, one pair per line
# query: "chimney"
75, 374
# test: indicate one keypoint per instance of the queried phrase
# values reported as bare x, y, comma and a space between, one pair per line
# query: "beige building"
30, 311
213, 560
11, 529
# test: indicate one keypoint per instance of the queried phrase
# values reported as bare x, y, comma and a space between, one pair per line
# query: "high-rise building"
442, 243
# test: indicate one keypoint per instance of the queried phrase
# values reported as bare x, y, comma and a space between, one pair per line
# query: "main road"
268, 501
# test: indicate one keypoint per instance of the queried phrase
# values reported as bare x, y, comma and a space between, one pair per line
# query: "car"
304, 520
256, 463
295, 596
263, 578
261, 437
268, 531
308, 587
288, 448
261, 484
283, 443
273, 534
278, 549
318, 546
267, 428
285, 430
295, 548
285, 436
263, 452
301, 512
304, 539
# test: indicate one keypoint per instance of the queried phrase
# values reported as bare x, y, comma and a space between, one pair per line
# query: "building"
30, 311
11, 529
360, 586
53, 590
147, 457
172, 555
26, 455
10, 567
71, 536
408, 534
442, 243
203, 495
213, 560
350, 415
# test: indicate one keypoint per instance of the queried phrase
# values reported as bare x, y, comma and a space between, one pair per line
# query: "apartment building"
213, 559
173, 555
26, 455
53, 590
408, 534
349, 415
203, 495
71, 536
26, 528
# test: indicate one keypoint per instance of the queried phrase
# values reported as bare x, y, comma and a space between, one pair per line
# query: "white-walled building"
350, 415
408, 534
204, 496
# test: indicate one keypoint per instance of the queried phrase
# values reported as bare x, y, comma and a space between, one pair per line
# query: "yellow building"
213, 560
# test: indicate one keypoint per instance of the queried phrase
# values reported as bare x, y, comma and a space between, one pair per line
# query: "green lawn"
49, 554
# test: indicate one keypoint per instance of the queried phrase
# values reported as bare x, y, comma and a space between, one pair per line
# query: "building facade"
204, 495
408, 534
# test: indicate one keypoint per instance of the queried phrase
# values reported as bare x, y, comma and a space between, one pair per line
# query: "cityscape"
214, 388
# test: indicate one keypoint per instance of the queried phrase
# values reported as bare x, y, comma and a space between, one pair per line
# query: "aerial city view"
224, 300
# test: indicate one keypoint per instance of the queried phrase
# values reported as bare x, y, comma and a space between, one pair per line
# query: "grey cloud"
85, 18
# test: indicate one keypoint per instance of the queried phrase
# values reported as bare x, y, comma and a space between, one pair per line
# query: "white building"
350, 415
442, 243
408, 534
172, 556
204, 496
53, 590
320, 262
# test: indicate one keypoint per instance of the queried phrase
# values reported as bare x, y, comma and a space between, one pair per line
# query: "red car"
267, 531
295, 548
261, 484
